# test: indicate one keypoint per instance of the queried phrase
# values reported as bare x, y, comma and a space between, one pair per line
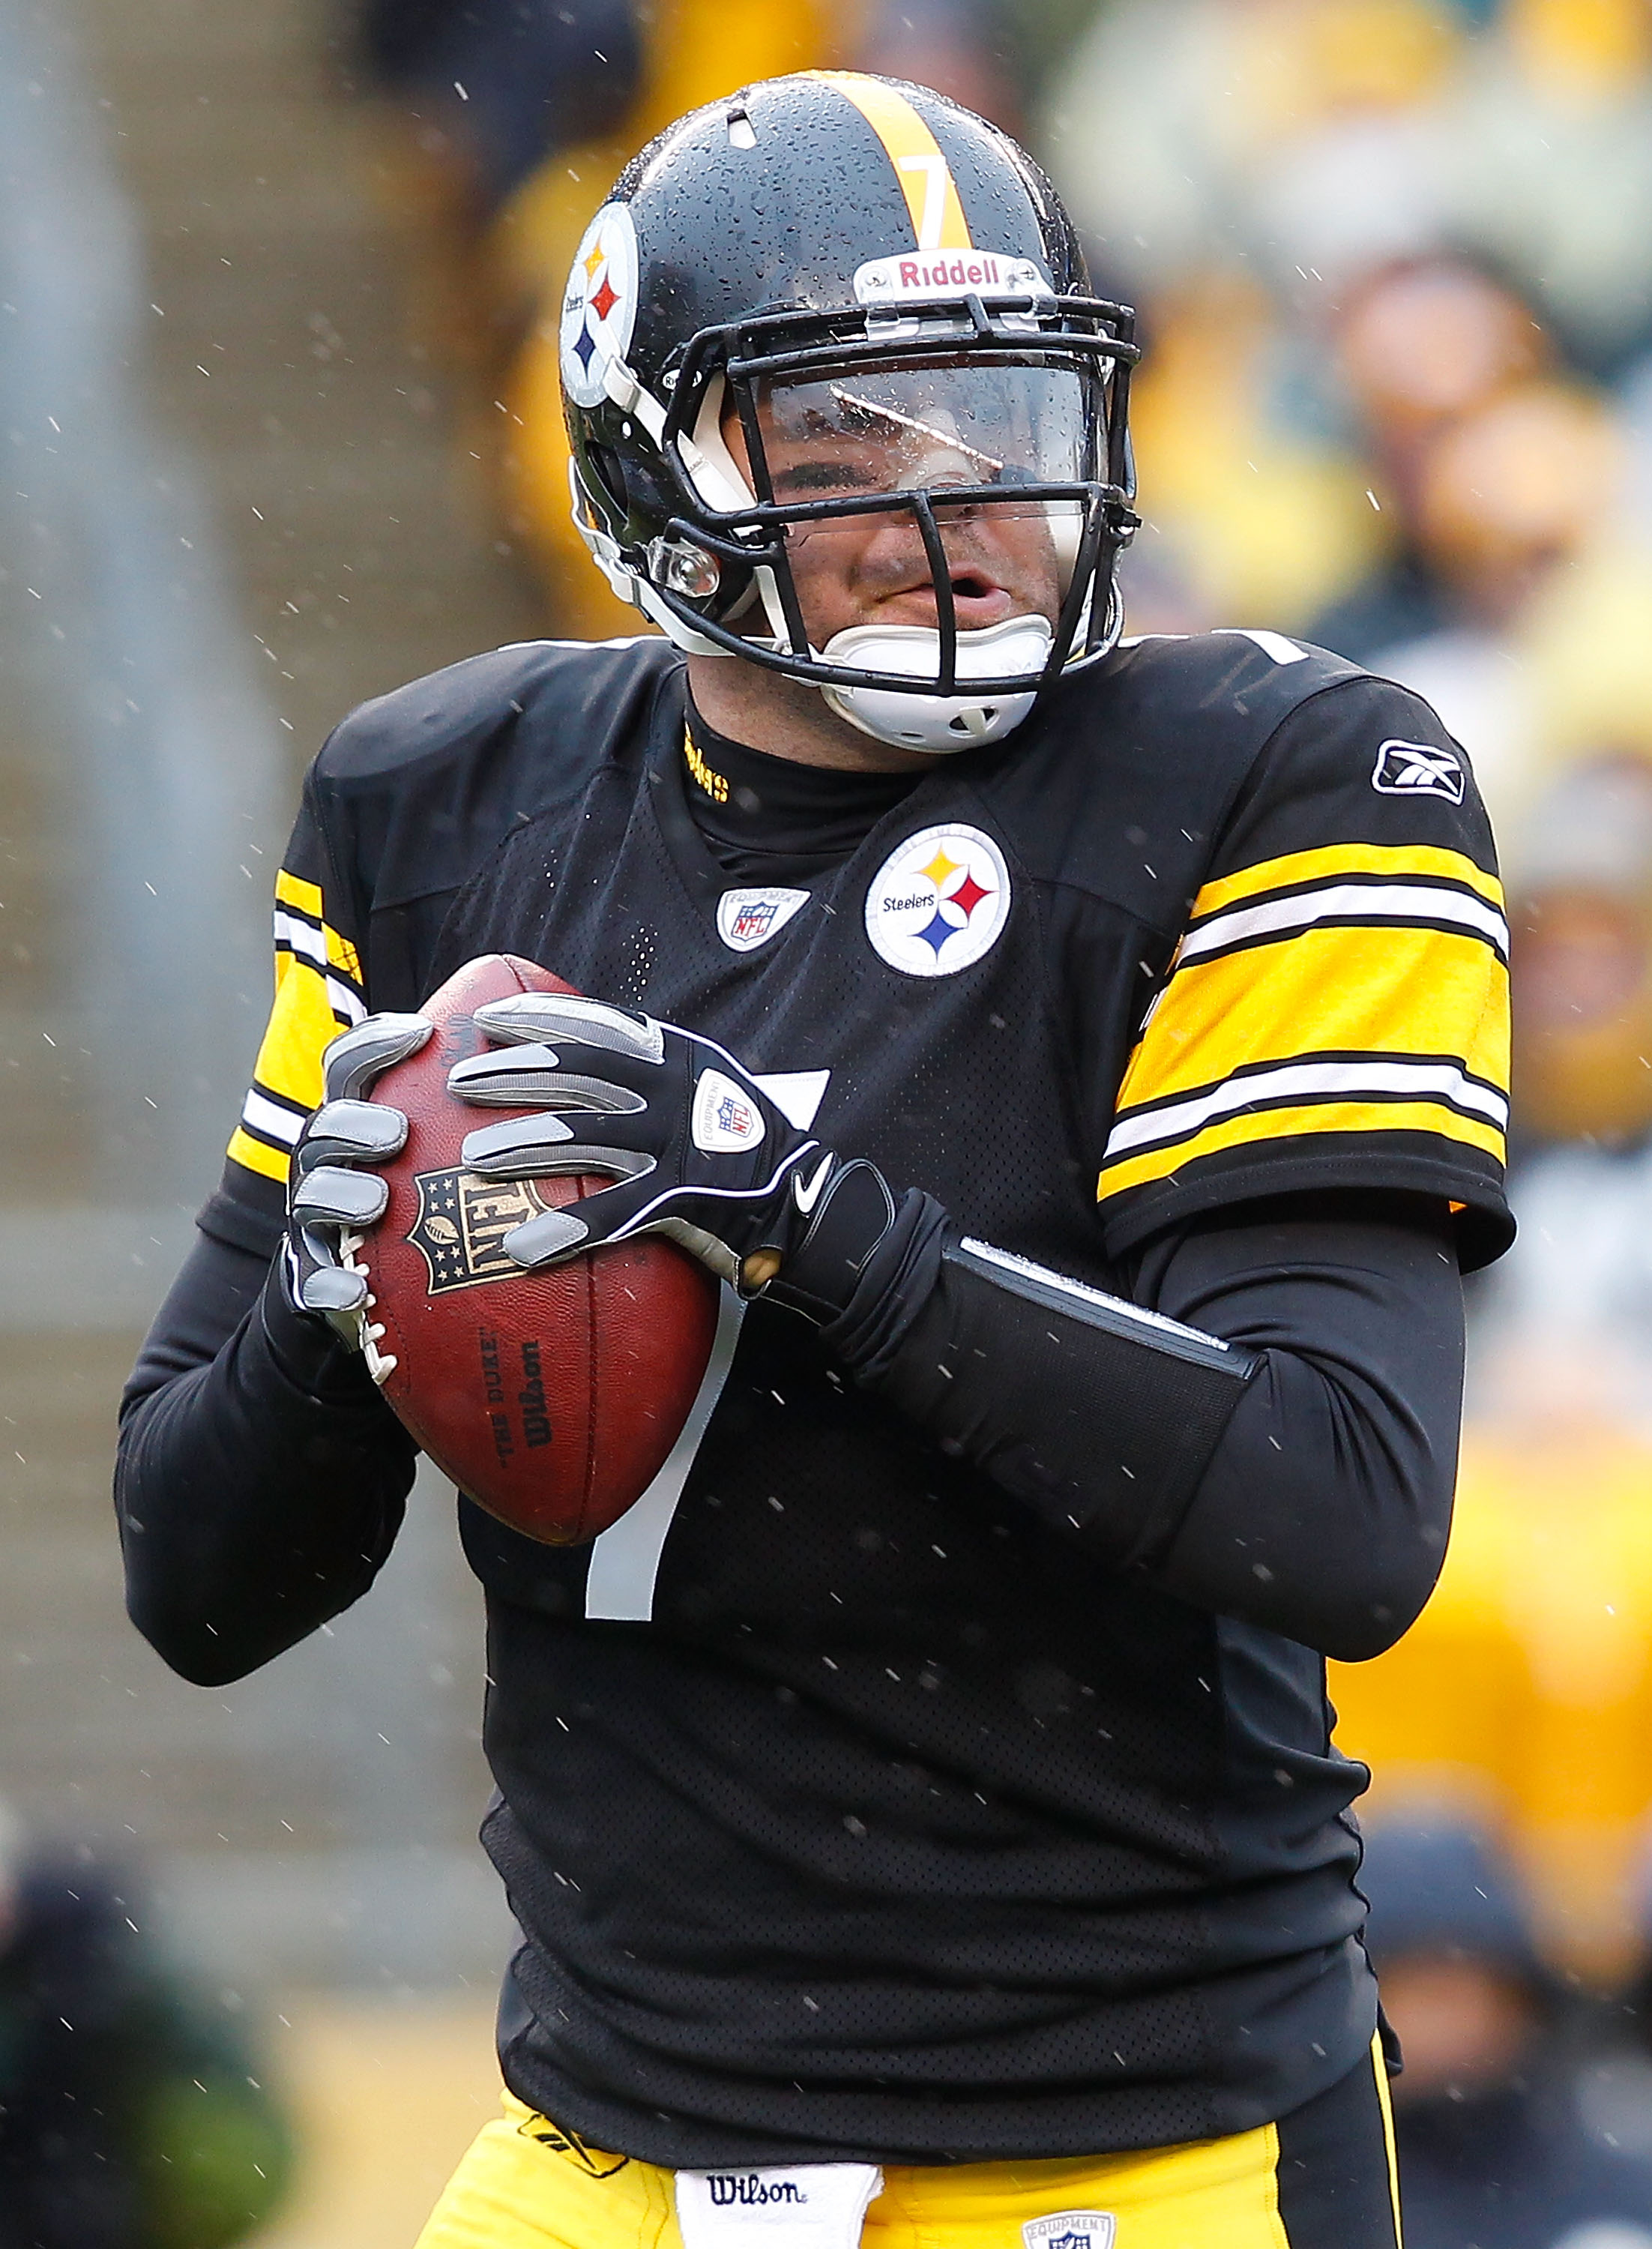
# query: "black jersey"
845, 1807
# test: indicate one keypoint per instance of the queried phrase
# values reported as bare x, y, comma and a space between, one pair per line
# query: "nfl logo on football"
1069, 2228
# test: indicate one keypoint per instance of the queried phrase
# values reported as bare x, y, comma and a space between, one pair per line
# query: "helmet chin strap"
940, 725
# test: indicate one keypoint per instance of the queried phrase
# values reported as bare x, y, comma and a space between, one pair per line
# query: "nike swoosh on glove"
327, 1193
698, 1150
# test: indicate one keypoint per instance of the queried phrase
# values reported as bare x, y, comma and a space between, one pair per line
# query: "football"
552, 1399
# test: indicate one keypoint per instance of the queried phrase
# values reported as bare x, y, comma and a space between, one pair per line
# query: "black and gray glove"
328, 1194
697, 1148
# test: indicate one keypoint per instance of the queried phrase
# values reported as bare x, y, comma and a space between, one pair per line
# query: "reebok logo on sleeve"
1418, 769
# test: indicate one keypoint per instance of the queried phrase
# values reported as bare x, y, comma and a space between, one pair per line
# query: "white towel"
799, 2206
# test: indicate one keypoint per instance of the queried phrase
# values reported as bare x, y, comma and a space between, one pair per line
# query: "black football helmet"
856, 266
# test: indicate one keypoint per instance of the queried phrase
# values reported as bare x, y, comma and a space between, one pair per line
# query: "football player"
1083, 1061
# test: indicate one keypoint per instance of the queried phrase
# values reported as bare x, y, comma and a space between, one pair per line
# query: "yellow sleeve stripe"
1334, 862
269, 1163
293, 890
1398, 991
310, 948
1284, 1124
318, 992
286, 1080
1347, 1028
301, 927
301, 1026
922, 171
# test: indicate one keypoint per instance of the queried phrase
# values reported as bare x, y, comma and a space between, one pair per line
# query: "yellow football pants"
1321, 2179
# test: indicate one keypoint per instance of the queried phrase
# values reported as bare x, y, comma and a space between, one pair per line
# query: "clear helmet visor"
996, 430
921, 428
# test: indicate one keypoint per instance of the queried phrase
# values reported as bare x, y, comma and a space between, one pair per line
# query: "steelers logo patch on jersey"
600, 308
939, 901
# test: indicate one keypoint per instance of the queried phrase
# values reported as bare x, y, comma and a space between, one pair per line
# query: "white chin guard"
938, 724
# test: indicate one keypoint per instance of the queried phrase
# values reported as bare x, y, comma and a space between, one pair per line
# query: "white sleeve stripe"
306, 942
1272, 644
347, 1004
300, 937
1344, 902
622, 640
273, 1122
1389, 1078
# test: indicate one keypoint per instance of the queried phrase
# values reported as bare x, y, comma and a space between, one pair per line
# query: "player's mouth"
978, 600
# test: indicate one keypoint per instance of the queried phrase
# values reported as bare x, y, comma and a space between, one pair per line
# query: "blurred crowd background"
277, 379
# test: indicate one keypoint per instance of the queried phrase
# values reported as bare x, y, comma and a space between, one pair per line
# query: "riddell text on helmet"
883, 279
971, 272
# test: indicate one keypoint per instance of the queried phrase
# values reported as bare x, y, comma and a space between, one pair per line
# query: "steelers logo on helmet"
600, 308
939, 902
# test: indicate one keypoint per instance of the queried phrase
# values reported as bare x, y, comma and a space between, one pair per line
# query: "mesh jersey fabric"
900, 1829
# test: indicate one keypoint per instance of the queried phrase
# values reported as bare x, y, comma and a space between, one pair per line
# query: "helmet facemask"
974, 453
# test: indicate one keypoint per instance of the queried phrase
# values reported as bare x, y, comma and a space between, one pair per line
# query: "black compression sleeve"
1301, 1480
260, 1479
1325, 1511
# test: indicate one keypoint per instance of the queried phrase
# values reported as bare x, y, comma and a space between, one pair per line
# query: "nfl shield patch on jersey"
1069, 2228
749, 919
